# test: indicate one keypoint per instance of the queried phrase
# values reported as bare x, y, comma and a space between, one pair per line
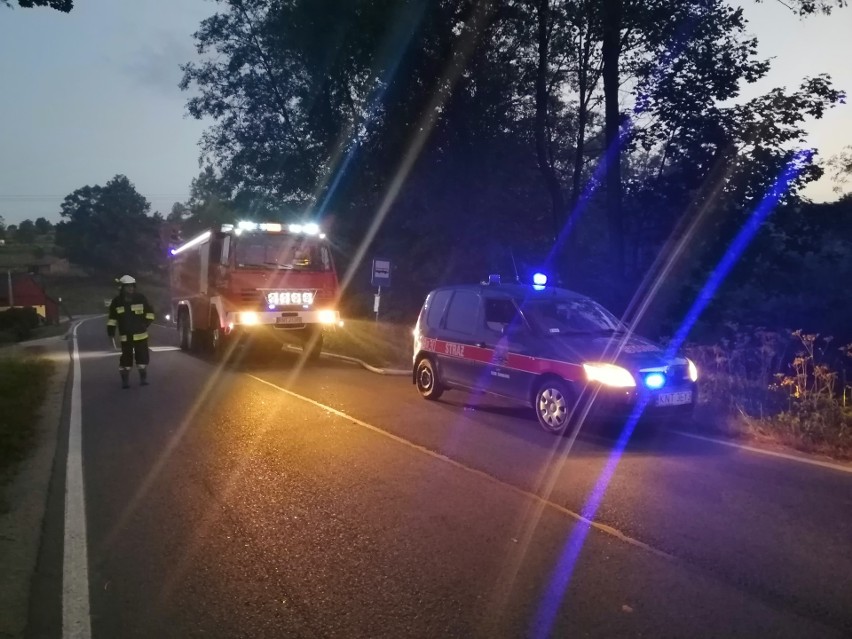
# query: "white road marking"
76, 619
609, 530
765, 451
117, 352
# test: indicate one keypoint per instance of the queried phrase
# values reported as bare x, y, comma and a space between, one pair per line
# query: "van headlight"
693, 370
609, 375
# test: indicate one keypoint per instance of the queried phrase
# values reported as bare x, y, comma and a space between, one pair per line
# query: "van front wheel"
554, 406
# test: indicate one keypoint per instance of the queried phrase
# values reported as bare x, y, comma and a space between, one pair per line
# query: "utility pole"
11, 292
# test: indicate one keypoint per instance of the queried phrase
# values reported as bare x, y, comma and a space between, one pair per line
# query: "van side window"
463, 313
499, 313
437, 306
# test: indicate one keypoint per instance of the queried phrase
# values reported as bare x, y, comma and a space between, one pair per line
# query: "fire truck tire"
217, 343
312, 342
184, 332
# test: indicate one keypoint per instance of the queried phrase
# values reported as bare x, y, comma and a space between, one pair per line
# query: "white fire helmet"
126, 279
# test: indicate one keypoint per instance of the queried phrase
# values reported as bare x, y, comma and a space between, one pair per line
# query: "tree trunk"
611, 51
547, 169
585, 90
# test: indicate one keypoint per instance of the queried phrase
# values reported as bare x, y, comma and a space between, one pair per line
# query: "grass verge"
379, 344
23, 385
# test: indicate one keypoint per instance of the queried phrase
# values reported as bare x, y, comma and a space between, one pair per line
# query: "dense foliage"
454, 136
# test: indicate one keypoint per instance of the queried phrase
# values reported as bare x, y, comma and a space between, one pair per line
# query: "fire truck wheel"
184, 332
217, 343
312, 342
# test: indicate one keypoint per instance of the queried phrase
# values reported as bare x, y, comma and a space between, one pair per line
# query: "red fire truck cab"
262, 281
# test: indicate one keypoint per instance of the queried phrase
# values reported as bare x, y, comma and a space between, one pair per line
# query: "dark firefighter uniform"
131, 314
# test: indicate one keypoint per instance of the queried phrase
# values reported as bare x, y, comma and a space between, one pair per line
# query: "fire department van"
262, 281
557, 351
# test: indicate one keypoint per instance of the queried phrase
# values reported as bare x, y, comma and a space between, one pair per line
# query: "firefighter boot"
125, 378
143, 376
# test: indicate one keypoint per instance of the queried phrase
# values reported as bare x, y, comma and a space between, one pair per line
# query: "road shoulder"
26, 495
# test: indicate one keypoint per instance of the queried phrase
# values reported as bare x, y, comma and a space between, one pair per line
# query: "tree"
43, 226
448, 125
841, 168
810, 7
60, 5
26, 232
209, 204
108, 228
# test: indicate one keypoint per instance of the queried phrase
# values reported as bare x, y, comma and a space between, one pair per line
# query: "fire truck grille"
251, 295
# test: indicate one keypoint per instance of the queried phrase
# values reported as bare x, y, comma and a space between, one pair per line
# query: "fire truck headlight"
311, 229
327, 316
249, 318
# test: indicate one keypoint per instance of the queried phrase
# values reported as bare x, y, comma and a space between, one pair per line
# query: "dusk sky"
93, 93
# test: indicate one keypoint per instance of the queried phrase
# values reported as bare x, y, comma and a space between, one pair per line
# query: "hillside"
79, 291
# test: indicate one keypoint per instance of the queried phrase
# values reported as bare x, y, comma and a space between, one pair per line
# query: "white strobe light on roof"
193, 242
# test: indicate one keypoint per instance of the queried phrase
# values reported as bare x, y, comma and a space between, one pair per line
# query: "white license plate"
288, 320
674, 399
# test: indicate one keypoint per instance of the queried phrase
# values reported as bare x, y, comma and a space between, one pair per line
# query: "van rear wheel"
427, 381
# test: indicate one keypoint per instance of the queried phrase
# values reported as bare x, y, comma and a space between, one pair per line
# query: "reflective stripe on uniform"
149, 316
119, 309
124, 338
137, 308
138, 337
112, 322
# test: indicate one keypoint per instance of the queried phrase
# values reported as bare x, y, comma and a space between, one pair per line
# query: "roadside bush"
788, 387
19, 322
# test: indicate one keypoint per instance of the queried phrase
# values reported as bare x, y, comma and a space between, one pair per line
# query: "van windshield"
274, 251
566, 317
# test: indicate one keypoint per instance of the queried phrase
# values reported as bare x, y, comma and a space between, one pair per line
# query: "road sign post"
381, 276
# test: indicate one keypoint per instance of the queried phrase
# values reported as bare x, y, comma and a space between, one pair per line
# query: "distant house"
50, 266
26, 291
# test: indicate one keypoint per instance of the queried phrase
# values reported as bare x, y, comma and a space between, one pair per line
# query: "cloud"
156, 65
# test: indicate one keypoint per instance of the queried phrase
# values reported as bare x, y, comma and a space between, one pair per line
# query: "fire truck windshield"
274, 251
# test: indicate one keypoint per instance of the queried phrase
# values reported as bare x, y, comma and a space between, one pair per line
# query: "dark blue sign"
381, 272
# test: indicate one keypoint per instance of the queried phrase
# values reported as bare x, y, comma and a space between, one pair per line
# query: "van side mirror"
513, 330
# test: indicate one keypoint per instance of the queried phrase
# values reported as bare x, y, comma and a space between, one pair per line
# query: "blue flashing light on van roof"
539, 279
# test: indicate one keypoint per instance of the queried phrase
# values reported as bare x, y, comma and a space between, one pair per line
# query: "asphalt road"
232, 502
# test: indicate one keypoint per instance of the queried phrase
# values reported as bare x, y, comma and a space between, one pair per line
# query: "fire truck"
257, 282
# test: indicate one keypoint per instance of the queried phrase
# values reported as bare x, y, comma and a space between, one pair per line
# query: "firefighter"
131, 314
